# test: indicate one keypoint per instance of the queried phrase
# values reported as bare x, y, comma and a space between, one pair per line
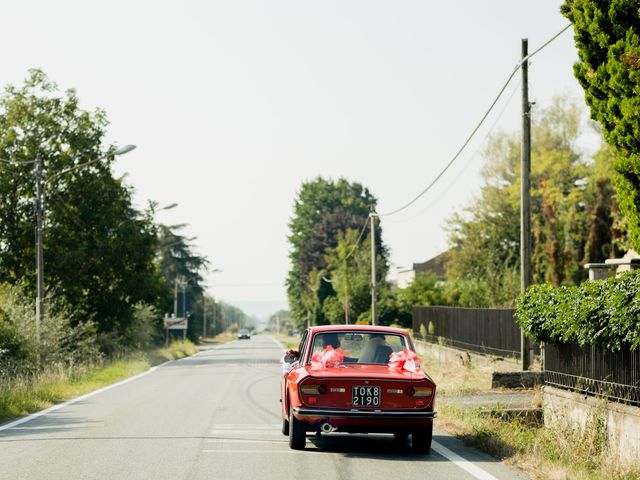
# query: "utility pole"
204, 316
39, 250
525, 196
347, 306
175, 297
184, 308
374, 313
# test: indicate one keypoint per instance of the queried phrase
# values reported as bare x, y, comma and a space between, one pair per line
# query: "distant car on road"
357, 379
243, 334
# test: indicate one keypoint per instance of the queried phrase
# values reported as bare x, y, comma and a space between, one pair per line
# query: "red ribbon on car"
328, 358
404, 360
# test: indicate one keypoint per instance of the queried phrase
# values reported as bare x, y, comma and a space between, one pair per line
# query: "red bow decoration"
404, 360
329, 358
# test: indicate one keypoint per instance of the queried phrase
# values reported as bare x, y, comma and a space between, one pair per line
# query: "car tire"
421, 440
285, 427
297, 433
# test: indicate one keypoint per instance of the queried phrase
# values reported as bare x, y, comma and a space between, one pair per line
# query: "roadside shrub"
605, 313
144, 328
233, 328
61, 342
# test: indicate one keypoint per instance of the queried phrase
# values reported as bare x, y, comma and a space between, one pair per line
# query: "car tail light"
410, 391
313, 389
423, 391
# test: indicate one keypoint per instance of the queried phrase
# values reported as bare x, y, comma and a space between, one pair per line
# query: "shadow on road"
371, 446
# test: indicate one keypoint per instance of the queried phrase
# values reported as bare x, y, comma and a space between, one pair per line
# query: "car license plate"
365, 396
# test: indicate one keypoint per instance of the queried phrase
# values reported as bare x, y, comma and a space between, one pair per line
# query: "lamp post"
41, 183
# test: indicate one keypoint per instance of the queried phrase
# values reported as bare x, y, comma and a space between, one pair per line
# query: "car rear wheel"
421, 440
285, 427
297, 433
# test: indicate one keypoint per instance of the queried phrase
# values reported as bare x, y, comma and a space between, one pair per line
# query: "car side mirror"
290, 360
291, 356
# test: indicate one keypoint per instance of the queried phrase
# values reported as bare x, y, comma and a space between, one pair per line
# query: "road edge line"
58, 406
278, 342
461, 462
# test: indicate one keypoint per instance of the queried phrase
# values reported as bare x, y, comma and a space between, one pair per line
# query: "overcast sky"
233, 104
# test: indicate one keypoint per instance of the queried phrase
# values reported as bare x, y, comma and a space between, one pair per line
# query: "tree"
182, 269
99, 250
349, 270
574, 219
322, 209
280, 322
607, 36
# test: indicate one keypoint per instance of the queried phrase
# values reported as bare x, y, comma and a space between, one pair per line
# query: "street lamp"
39, 221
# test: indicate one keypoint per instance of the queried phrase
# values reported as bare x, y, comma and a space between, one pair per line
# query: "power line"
353, 249
477, 127
468, 163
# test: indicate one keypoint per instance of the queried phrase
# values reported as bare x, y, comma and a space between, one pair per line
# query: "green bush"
61, 341
605, 313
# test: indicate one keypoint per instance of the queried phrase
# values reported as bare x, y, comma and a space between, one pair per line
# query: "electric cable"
477, 127
353, 249
468, 163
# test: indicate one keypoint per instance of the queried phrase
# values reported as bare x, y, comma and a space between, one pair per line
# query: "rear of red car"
361, 393
365, 399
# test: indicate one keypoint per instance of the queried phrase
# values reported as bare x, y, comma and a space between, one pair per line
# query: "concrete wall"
622, 421
443, 353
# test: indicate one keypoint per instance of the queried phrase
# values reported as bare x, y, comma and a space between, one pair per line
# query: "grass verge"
559, 451
223, 337
550, 452
288, 341
27, 394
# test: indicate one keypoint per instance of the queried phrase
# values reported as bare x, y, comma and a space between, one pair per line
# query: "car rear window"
360, 347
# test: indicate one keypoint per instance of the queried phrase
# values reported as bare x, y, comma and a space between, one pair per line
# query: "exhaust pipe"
326, 427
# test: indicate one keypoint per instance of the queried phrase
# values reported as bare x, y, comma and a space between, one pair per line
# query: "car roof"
357, 328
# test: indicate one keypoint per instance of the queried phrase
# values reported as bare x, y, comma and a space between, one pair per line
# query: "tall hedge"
607, 35
603, 313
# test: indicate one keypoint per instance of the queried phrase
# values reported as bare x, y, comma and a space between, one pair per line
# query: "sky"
233, 104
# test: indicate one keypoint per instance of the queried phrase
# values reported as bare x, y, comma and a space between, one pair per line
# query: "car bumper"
313, 413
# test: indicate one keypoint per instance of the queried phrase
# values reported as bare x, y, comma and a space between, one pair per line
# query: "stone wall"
622, 421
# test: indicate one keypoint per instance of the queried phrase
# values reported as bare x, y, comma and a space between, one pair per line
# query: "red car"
356, 379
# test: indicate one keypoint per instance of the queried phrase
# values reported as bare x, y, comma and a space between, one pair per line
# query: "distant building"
436, 265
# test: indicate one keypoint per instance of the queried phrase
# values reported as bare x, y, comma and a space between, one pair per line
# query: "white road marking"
243, 440
241, 433
247, 426
58, 406
464, 464
247, 452
278, 342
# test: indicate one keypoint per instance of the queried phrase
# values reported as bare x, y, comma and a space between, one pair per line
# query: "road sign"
173, 323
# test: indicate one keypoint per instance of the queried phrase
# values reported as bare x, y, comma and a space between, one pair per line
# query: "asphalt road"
213, 416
